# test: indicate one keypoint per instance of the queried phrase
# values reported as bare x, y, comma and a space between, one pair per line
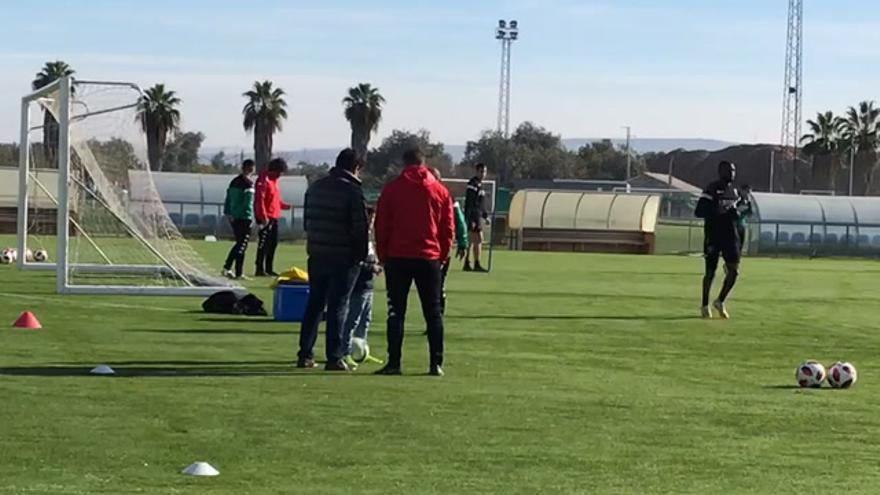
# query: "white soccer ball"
28, 255
41, 255
8, 256
360, 349
810, 374
842, 375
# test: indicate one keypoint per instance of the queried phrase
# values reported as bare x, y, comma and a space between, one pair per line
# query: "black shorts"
730, 250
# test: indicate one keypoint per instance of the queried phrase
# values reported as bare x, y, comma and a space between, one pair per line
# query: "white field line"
86, 302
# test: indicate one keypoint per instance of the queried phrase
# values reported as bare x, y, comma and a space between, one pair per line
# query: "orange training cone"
27, 320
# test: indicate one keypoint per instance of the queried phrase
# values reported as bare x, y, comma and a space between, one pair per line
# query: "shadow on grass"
242, 319
214, 331
797, 387
168, 363
168, 372
657, 297
576, 317
568, 295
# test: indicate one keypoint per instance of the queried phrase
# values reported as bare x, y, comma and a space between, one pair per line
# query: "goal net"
87, 200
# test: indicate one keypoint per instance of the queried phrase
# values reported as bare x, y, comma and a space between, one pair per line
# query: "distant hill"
640, 145
752, 167
656, 145
311, 155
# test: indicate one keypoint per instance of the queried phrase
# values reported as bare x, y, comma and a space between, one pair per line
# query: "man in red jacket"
267, 209
415, 229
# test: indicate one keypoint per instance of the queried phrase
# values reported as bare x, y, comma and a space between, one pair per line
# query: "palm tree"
263, 114
159, 117
861, 131
823, 144
363, 110
50, 73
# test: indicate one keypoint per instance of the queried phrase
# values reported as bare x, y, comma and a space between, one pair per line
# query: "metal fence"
206, 218
685, 236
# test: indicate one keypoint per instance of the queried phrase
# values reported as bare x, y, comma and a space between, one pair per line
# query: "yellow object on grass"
291, 275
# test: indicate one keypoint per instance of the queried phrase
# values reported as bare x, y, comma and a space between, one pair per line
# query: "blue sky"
672, 68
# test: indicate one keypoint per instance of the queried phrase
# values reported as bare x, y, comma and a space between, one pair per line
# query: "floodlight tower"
792, 98
507, 33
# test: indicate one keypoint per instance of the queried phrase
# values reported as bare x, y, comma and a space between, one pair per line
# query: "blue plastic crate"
289, 302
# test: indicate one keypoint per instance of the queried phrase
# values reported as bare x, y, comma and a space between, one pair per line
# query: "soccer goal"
86, 197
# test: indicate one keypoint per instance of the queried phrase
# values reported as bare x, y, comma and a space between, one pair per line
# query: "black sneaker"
436, 370
389, 370
259, 274
306, 364
480, 269
270, 273
467, 267
336, 366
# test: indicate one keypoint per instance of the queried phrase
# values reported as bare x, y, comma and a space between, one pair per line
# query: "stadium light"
506, 33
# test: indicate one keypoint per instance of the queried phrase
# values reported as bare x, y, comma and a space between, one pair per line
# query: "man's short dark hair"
278, 165
248, 164
413, 156
480, 165
347, 159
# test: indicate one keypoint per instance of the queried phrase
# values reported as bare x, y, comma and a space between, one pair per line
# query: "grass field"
565, 374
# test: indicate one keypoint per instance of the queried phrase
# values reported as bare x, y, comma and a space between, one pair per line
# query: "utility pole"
852, 163
772, 167
628, 154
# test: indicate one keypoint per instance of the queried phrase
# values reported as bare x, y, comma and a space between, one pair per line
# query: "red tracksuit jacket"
414, 217
267, 198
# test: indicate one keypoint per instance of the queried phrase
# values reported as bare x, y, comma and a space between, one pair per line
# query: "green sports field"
565, 374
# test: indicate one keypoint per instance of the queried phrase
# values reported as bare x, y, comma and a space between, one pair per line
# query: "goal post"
87, 147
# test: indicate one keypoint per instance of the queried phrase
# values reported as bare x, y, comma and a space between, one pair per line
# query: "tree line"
531, 152
839, 145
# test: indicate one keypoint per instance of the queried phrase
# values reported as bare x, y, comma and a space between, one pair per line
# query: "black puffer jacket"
336, 218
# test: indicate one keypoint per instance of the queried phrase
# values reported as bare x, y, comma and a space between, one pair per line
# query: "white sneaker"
706, 311
227, 273
722, 310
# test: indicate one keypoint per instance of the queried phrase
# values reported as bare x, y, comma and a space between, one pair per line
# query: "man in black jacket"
722, 235
335, 222
475, 214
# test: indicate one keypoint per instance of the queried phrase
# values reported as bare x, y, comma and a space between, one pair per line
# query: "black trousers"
330, 286
444, 272
268, 242
241, 229
399, 276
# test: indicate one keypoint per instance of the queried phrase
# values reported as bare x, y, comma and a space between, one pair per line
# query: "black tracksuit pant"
399, 276
241, 229
268, 242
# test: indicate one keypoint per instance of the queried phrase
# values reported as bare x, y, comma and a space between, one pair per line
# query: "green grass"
565, 374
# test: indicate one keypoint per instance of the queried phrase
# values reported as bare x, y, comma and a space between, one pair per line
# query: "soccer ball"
28, 255
41, 256
810, 374
8, 256
360, 350
842, 375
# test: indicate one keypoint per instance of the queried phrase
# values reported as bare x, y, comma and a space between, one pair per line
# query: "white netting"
117, 216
